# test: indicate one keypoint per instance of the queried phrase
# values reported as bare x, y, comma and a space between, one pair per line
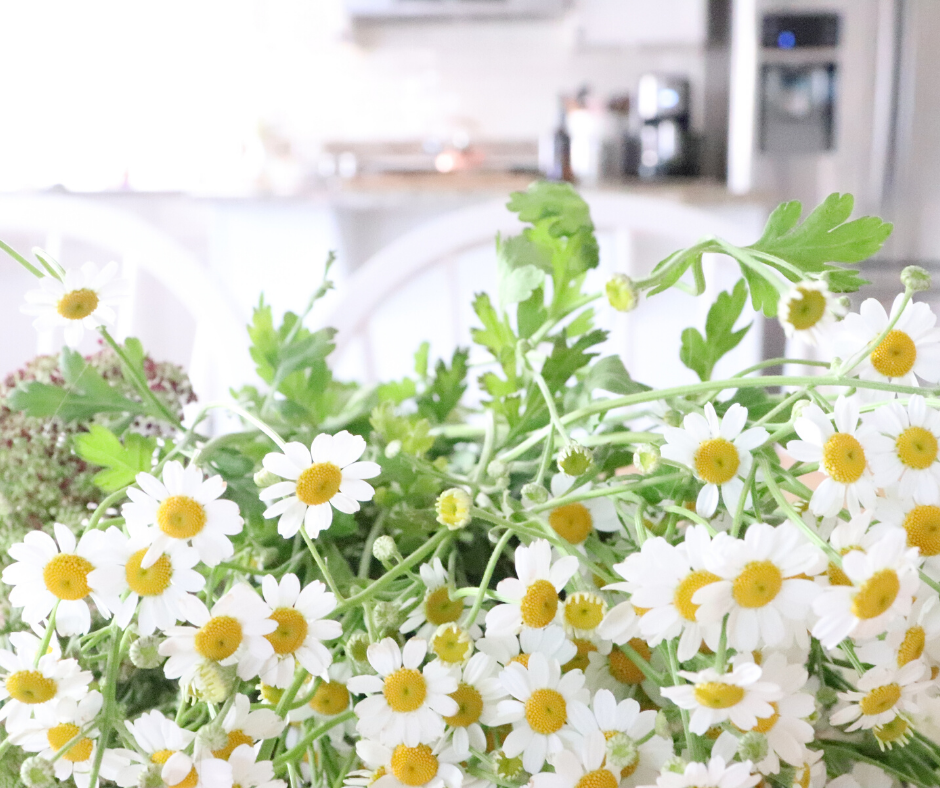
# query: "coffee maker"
665, 130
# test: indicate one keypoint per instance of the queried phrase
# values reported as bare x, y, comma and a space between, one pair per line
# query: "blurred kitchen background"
220, 149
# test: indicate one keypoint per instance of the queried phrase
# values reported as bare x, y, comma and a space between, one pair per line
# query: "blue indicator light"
786, 39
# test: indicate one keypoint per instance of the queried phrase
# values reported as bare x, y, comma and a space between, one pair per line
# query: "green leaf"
121, 463
496, 335
448, 386
556, 205
520, 267
700, 354
421, 359
397, 391
264, 341
609, 374
531, 313
679, 265
565, 361
413, 432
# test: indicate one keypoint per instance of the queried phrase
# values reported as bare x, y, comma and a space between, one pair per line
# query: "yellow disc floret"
843, 458
686, 590
181, 517
219, 638
917, 448
469, 706
191, 780
439, 608
30, 687
758, 584
546, 711
235, 739
405, 690
318, 483
624, 669
580, 660
539, 605
912, 645
66, 576
60, 735
330, 699
895, 356
451, 644
898, 731
572, 522
414, 765
291, 630
876, 595
880, 699
716, 461
922, 524
806, 308
718, 695
599, 778
584, 610
148, 582
77, 304
765, 724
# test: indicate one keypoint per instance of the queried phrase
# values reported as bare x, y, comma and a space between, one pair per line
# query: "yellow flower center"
912, 646
148, 582
62, 734
66, 576
180, 517
806, 308
469, 706
624, 669
880, 699
572, 522
189, 781
439, 608
599, 778
330, 699
843, 458
414, 765
451, 644
319, 483
758, 584
805, 776
895, 356
271, 694
30, 686
405, 690
894, 732
77, 304
876, 595
917, 448
716, 461
922, 524
546, 711
584, 611
219, 638
235, 739
718, 695
380, 772
453, 508
539, 605
764, 724
686, 590
522, 659
580, 660
291, 630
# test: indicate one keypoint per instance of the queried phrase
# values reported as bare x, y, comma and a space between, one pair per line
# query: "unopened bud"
673, 418
145, 654
533, 493
915, 278
37, 772
213, 682
388, 616
647, 458
357, 648
662, 726
675, 764
752, 746
827, 696
496, 469
622, 293
453, 508
622, 752
575, 459
386, 551
151, 777
264, 478
211, 737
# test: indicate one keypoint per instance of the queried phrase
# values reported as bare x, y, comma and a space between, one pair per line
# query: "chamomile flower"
248, 772
904, 449
453, 644
574, 522
609, 667
808, 311
51, 571
160, 593
907, 638
910, 350
882, 694
324, 476
883, 583
301, 628
241, 726
330, 698
739, 696
842, 456
184, 507
402, 766
582, 613
542, 710
764, 589
719, 453
717, 773
477, 695
534, 590
406, 704
232, 633
438, 607
84, 298
550, 641
920, 523
589, 767
30, 686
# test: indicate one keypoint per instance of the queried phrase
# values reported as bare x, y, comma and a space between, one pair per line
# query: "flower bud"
144, 652
622, 752
496, 468
508, 768
264, 478
151, 777
387, 616
575, 459
827, 696
357, 648
386, 551
675, 764
752, 746
213, 682
211, 737
647, 458
453, 508
534, 494
673, 418
662, 726
37, 772
621, 293
915, 278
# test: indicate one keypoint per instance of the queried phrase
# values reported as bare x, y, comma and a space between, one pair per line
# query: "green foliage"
700, 354
412, 431
609, 374
564, 361
121, 463
521, 266
445, 390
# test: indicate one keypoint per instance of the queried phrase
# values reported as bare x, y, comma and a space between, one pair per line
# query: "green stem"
547, 452
777, 362
794, 516
321, 564
489, 440
113, 498
739, 509
645, 668
251, 419
603, 492
548, 325
46, 638
691, 740
550, 404
721, 655
297, 750
108, 709
365, 561
487, 576
21, 260
780, 406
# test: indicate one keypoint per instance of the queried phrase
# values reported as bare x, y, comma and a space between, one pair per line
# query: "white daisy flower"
911, 349
330, 698
85, 298
325, 476
864, 775
663, 579
242, 726
301, 628
574, 522
406, 705
184, 507
162, 744
30, 686
582, 613
233, 633
717, 773
904, 449
589, 767
882, 694
719, 453
551, 641
764, 589
533, 593
402, 766
159, 594
712, 697
842, 456
808, 311
908, 638
49, 571
883, 583
541, 714
54, 727
247, 772
920, 523
438, 606
477, 696
610, 668
453, 644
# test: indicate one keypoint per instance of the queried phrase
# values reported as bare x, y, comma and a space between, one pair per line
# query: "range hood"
453, 9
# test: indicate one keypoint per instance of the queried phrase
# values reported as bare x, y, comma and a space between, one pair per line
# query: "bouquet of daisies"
582, 582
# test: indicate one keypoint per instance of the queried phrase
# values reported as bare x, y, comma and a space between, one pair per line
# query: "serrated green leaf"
564, 361
556, 205
413, 432
700, 354
531, 313
121, 463
676, 271
421, 359
520, 267
397, 391
583, 323
609, 374
496, 334
448, 386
